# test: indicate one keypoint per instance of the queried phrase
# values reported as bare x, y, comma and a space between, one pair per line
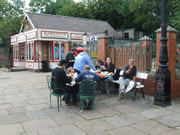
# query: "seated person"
87, 75
59, 78
99, 63
110, 68
128, 75
73, 89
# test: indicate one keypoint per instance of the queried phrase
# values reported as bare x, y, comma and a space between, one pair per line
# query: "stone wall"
5, 57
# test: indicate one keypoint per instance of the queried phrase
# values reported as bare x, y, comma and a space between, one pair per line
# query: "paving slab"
124, 120
124, 108
12, 119
150, 127
157, 112
12, 129
68, 118
38, 125
91, 114
171, 120
94, 126
63, 130
125, 131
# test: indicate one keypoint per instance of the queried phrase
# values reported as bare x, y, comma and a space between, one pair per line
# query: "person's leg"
109, 78
68, 95
74, 94
121, 85
126, 82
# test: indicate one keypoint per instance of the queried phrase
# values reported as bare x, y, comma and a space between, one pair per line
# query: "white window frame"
16, 52
30, 51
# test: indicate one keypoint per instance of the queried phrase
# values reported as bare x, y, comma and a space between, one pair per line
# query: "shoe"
120, 97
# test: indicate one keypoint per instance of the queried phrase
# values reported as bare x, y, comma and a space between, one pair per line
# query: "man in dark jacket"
59, 78
70, 58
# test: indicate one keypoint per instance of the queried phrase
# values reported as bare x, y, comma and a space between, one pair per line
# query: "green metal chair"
87, 92
52, 87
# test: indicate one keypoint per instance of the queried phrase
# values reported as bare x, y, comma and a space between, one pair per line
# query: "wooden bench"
141, 76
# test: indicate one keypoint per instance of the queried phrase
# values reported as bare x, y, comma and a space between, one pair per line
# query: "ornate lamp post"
162, 96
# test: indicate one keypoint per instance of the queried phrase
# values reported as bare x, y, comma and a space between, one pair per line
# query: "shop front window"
30, 51
38, 55
62, 51
22, 52
56, 51
16, 52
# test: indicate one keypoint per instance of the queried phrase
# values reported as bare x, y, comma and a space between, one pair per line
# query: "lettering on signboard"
22, 38
31, 35
52, 34
76, 36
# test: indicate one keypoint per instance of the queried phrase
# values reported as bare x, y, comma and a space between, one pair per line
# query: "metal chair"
52, 87
87, 92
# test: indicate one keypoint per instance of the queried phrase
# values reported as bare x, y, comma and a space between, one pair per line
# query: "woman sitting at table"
110, 68
73, 89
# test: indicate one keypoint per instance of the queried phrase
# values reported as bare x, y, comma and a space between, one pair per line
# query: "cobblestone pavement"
24, 110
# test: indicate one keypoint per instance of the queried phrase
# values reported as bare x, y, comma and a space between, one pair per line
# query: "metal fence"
122, 50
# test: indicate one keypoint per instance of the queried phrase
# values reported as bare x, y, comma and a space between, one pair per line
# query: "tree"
40, 5
10, 19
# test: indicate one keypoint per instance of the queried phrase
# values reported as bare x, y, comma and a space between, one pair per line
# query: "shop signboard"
31, 35
21, 38
76, 36
54, 35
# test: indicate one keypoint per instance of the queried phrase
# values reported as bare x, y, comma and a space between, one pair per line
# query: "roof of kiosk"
66, 23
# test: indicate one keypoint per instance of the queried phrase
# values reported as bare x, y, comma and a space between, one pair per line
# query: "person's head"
108, 60
62, 63
74, 50
87, 68
99, 62
131, 62
70, 70
86, 50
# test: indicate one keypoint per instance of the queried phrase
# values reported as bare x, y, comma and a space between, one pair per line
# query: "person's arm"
130, 68
89, 62
97, 77
78, 79
66, 78
134, 74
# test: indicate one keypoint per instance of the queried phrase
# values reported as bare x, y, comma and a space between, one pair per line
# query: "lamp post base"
162, 95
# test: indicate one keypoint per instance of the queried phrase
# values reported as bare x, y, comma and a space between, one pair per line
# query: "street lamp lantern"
162, 95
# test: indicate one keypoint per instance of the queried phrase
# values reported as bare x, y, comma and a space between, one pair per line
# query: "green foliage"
10, 16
